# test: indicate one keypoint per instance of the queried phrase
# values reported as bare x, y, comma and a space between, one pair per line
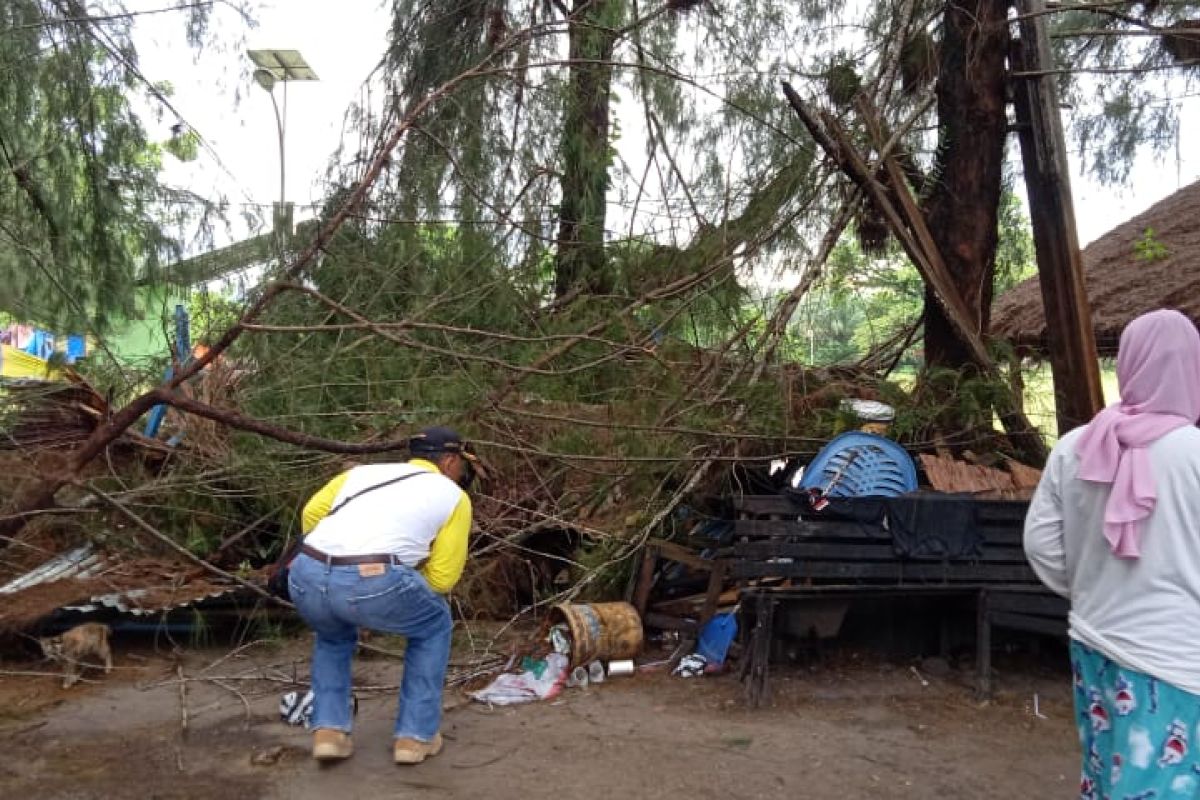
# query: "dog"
89, 640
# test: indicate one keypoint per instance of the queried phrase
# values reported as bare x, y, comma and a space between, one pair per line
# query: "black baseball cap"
437, 440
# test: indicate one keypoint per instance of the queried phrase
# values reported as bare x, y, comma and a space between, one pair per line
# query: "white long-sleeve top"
1142, 613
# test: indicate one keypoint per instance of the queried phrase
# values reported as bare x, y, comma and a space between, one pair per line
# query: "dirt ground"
857, 728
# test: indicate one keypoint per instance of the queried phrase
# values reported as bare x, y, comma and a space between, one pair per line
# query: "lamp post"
274, 67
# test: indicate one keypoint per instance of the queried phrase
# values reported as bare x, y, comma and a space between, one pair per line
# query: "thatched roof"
1121, 285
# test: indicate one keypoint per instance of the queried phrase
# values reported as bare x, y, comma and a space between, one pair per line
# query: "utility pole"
1070, 338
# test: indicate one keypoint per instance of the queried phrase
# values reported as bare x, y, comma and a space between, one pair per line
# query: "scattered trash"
919, 676
623, 667
296, 708
512, 688
578, 678
715, 638
570, 653
1036, 710
690, 666
537, 666
560, 639
599, 631
713, 646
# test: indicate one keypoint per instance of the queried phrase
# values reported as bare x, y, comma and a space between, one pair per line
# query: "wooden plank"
1024, 622
1070, 336
716, 582
954, 475
691, 603
1050, 605
1024, 477
854, 552
1002, 537
814, 551
764, 504
894, 572
985, 510
997, 511
674, 552
827, 529
994, 538
856, 590
641, 595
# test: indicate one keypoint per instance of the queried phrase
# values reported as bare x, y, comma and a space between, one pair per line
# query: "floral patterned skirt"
1135, 730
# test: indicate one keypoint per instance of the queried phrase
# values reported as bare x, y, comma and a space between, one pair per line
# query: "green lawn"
1039, 395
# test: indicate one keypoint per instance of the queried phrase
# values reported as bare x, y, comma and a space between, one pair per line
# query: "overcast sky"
342, 42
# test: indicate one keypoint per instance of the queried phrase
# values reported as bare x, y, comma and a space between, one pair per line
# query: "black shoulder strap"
359, 494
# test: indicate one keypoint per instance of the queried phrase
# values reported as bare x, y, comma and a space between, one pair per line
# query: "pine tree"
83, 215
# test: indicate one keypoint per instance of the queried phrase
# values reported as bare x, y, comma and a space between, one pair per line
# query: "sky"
215, 95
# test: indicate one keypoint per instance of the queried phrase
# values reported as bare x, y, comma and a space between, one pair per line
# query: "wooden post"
716, 583
983, 647
641, 594
1070, 337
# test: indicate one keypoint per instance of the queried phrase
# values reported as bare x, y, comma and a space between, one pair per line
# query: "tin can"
622, 667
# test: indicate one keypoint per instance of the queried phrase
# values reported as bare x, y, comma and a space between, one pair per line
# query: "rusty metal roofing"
87, 580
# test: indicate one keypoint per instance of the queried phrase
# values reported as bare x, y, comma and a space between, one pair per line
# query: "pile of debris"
578, 645
86, 580
44, 415
859, 478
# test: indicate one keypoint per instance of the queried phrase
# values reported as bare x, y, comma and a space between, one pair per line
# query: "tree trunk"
580, 262
963, 206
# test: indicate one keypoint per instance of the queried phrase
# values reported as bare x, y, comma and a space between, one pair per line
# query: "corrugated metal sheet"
150, 597
83, 562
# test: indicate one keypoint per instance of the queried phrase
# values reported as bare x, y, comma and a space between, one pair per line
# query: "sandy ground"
854, 729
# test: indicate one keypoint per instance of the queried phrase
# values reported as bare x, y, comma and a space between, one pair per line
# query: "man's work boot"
331, 745
414, 751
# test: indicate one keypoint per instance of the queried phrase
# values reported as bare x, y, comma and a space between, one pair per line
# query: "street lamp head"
281, 65
265, 79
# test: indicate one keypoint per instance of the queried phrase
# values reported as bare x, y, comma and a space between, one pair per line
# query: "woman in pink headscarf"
1115, 527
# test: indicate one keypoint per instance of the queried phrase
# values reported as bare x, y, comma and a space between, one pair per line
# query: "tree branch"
178, 548
42, 494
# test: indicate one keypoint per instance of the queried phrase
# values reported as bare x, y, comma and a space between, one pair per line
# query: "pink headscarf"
1158, 369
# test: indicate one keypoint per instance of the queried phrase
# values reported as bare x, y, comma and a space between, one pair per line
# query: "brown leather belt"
347, 561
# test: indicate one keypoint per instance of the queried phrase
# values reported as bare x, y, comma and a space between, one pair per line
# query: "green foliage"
453, 260
609, 571
1134, 105
80, 201
210, 314
1016, 259
842, 82
184, 145
1149, 247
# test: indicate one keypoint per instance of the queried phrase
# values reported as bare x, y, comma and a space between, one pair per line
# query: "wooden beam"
1070, 337
907, 224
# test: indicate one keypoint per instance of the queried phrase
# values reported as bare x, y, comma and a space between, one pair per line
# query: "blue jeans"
336, 602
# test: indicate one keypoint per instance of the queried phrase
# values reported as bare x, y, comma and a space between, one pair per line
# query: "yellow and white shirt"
425, 518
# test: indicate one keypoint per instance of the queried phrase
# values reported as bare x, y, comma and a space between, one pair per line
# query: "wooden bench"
808, 558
